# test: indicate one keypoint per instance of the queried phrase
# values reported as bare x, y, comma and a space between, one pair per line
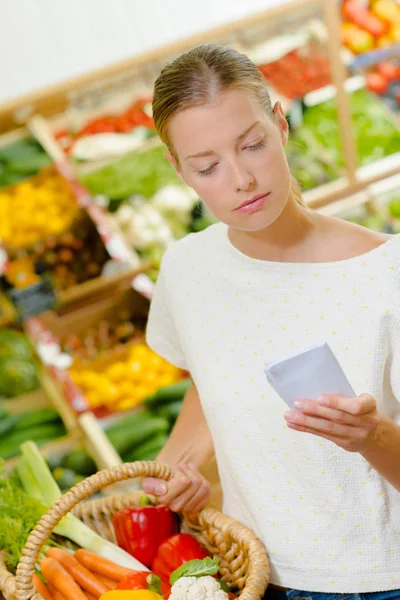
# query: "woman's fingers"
184, 492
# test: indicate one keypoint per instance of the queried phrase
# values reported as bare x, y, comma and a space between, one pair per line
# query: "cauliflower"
197, 588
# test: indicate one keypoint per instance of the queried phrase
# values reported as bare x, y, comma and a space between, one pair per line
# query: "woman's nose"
244, 180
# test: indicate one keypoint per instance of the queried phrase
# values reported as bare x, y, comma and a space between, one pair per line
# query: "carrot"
41, 587
58, 596
55, 593
107, 581
83, 577
61, 579
98, 564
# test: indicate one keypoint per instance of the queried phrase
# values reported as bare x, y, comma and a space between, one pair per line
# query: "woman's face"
232, 154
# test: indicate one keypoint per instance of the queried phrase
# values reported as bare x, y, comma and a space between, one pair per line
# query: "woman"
318, 484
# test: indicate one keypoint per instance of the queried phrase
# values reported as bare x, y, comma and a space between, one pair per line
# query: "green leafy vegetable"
141, 173
314, 149
19, 514
196, 568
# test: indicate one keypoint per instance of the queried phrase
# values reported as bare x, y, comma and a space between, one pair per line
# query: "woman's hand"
187, 490
351, 423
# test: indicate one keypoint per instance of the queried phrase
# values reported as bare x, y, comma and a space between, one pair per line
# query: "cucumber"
32, 418
125, 440
149, 450
10, 445
168, 394
129, 421
169, 411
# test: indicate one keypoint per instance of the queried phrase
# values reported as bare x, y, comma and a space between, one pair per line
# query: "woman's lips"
252, 205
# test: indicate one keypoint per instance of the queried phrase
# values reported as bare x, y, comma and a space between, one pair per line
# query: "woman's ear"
172, 161
281, 122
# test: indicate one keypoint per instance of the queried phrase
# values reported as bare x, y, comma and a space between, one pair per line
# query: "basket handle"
41, 532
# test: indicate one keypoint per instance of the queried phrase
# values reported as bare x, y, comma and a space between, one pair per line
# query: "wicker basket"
243, 559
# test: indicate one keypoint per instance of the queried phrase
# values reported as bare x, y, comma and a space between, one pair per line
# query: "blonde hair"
196, 77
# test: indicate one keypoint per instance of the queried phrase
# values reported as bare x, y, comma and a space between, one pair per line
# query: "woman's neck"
288, 239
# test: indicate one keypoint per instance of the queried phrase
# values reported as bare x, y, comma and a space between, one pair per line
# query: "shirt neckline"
382, 249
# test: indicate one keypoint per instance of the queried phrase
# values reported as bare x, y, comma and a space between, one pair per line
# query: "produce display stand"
42, 114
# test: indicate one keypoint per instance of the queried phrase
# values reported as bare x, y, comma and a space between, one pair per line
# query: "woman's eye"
208, 171
256, 146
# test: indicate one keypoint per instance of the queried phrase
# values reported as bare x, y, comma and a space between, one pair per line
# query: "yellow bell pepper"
131, 595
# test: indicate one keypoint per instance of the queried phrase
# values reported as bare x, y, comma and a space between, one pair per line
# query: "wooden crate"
52, 326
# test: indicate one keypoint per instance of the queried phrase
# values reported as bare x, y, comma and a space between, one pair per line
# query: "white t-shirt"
329, 521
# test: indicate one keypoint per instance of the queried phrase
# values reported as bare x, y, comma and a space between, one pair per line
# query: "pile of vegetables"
26, 495
18, 369
317, 139
370, 25
151, 225
40, 426
125, 326
20, 160
137, 173
384, 80
70, 258
298, 72
125, 383
111, 134
36, 208
152, 561
140, 435
151, 535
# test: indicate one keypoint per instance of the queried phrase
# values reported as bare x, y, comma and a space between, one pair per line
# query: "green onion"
39, 483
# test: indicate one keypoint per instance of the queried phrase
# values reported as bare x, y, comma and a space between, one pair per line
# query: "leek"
39, 483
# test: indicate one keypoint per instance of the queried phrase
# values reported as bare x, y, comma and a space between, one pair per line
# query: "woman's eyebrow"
210, 152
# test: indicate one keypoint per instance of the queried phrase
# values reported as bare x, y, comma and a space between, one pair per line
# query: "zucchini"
129, 421
169, 411
134, 436
149, 450
169, 393
33, 418
9, 446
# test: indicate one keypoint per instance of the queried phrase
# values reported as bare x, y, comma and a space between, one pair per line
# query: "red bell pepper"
143, 580
141, 529
175, 551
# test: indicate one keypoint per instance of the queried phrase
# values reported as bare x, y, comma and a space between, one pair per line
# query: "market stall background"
75, 372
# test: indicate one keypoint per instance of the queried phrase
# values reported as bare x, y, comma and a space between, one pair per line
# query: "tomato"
387, 70
376, 83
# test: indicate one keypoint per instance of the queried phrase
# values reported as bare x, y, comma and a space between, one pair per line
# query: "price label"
34, 299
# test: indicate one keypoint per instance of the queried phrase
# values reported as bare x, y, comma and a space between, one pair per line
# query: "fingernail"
300, 404
290, 415
160, 489
323, 401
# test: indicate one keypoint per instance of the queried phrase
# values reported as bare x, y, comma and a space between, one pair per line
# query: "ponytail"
296, 192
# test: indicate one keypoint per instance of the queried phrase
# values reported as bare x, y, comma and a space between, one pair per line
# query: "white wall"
43, 42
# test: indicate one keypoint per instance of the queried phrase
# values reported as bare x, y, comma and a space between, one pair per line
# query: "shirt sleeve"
161, 333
